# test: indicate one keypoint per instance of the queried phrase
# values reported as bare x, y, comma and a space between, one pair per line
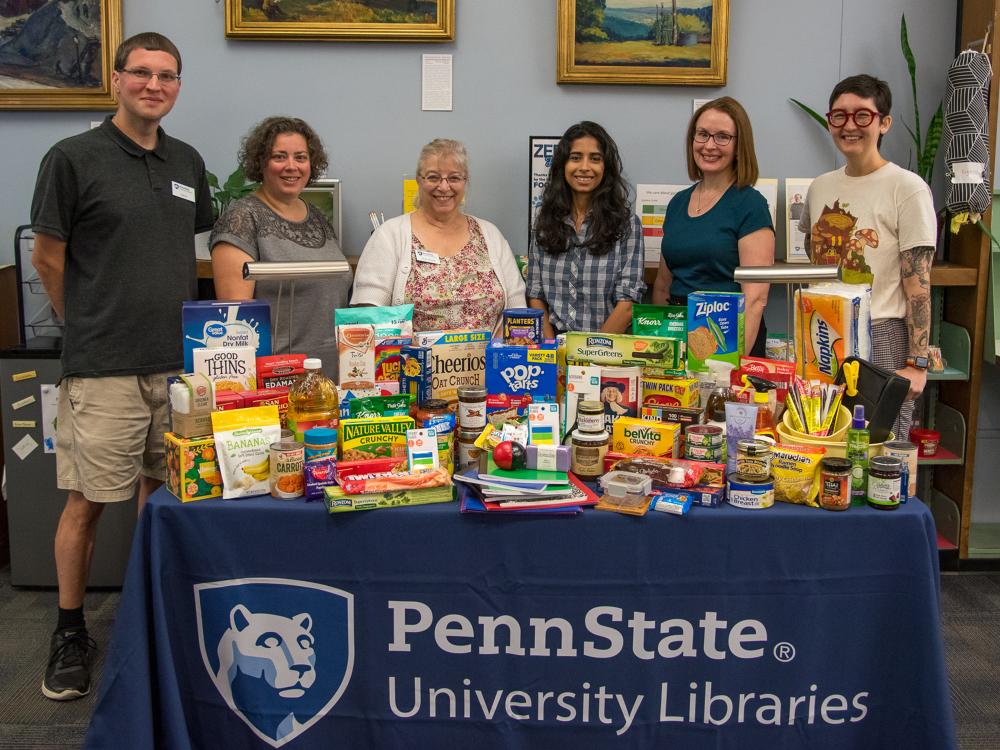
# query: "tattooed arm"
916, 276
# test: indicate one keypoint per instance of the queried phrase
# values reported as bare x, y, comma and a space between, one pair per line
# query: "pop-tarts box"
716, 328
212, 324
518, 375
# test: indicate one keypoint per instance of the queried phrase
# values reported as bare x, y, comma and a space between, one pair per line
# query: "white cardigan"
385, 263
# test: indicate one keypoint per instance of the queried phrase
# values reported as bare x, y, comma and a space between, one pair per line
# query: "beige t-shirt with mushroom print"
863, 223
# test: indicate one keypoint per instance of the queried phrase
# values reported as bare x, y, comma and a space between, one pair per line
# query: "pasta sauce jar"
589, 449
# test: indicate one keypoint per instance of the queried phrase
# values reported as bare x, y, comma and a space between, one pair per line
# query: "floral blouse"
459, 292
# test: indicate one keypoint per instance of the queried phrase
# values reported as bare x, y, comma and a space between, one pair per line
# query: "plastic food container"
927, 441
626, 484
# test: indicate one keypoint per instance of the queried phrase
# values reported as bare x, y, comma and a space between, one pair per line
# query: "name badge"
182, 191
426, 256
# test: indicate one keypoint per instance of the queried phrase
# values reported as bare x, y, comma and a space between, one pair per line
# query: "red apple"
509, 455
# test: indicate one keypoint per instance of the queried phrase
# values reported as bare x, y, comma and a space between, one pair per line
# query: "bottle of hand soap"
857, 454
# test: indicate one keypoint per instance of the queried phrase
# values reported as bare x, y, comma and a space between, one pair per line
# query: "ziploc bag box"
518, 375
212, 324
716, 328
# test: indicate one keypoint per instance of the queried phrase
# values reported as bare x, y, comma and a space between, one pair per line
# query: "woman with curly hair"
284, 155
585, 265
721, 221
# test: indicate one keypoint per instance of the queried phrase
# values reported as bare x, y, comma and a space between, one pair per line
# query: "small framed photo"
325, 195
796, 189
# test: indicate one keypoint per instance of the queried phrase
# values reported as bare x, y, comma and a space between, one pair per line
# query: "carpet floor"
29, 721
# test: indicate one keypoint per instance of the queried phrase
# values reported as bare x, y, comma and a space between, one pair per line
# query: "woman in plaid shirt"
585, 264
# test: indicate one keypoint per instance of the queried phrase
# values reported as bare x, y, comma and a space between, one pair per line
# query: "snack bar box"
211, 324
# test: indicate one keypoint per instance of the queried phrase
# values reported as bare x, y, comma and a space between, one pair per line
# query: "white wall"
364, 99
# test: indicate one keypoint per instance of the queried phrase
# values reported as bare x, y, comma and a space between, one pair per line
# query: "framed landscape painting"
58, 55
642, 42
344, 20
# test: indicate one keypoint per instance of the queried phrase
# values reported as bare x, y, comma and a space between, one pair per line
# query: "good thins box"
211, 324
716, 328
229, 368
513, 370
457, 358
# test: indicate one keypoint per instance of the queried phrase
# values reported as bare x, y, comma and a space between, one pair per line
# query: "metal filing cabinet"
34, 503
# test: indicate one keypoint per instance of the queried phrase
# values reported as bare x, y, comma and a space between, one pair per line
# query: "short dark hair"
255, 150
867, 87
146, 40
745, 168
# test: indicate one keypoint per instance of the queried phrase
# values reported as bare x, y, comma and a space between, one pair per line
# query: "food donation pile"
674, 415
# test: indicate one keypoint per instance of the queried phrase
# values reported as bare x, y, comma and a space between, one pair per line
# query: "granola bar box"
716, 328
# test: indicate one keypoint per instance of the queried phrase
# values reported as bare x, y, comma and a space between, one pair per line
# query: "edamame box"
716, 328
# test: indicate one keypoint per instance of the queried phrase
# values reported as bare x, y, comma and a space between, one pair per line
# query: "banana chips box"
716, 328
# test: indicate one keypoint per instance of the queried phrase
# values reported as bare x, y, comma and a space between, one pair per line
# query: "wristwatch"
920, 363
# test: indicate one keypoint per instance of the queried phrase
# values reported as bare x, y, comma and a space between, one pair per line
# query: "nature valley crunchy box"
457, 358
382, 437
639, 437
716, 328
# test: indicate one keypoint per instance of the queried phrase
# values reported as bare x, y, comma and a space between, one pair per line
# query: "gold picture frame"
62, 66
638, 42
342, 20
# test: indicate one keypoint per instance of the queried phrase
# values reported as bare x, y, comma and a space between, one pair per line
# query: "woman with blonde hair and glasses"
456, 269
721, 221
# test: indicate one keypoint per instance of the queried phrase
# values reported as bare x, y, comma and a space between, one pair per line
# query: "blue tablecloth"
251, 623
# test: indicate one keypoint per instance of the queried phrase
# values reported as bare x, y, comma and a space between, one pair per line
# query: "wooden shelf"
953, 274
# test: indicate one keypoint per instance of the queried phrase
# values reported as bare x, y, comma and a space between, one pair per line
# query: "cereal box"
457, 358
715, 328
527, 374
192, 467
638, 437
382, 437
229, 368
654, 354
280, 370
210, 324
669, 391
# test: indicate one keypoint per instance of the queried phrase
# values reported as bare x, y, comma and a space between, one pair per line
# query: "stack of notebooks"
521, 491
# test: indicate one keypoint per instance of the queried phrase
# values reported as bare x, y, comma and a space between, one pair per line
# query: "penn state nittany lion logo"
280, 652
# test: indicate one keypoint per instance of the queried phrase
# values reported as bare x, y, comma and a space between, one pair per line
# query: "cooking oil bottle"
312, 401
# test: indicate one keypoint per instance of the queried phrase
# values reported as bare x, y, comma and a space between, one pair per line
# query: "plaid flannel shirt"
581, 289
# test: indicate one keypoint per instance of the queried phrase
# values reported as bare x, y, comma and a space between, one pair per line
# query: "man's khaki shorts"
110, 430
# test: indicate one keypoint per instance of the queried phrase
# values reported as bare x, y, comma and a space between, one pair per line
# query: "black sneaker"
68, 674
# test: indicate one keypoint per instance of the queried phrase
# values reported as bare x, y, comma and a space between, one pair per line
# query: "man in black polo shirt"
115, 212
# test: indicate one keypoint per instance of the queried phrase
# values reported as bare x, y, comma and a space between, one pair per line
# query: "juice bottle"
312, 401
857, 454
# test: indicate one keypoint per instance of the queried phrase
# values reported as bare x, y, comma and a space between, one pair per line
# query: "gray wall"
364, 99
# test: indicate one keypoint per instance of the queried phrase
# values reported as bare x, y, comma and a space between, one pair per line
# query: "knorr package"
795, 469
368, 342
243, 440
669, 321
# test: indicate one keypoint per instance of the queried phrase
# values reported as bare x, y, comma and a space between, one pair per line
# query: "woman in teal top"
720, 222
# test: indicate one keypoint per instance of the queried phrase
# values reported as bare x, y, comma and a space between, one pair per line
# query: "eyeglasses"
453, 180
142, 75
720, 138
862, 117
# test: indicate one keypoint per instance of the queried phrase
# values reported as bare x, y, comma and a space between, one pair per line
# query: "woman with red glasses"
876, 221
720, 222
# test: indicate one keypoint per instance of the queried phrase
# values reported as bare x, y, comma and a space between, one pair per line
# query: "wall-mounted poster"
651, 208
639, 41
342, 20
540, 151
58, 55
795, 196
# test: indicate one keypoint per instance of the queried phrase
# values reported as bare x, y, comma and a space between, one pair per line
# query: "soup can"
287, 461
